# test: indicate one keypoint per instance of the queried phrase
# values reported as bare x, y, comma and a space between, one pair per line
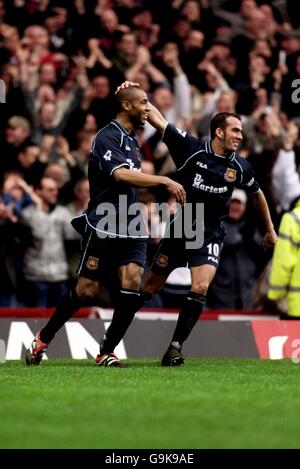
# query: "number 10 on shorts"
213, 249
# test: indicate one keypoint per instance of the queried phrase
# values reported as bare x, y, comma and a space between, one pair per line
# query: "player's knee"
131, 277
200, 287
132, 281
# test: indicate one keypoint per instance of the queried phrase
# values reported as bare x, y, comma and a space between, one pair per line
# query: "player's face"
139, 109
233, 134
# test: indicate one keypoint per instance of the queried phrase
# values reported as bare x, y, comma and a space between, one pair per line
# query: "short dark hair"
127, 94
220, 121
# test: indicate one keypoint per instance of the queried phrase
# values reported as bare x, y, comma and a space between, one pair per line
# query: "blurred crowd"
61, 61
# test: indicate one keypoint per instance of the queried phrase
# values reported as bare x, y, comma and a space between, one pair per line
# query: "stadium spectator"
98, 100
56, 22
82, 197
45, 264
30, 165
17, 137
285, 271
113, 172
145, 28
214, 85
192, 54
17, 194
8, 258
225, 103
110, 29
285, 177
64, 168
82, 149
128, 52
232, 287
45, 124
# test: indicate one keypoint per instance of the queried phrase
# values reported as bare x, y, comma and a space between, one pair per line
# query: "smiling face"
139, 108
134, 105
231, 136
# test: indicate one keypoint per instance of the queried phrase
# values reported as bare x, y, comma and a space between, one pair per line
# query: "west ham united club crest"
162, 260
92, 263
230, 175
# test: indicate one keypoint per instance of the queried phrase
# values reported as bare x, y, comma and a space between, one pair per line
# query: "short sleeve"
248, 181
107, 149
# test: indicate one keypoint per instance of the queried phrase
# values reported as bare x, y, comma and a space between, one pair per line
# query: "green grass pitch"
207, 403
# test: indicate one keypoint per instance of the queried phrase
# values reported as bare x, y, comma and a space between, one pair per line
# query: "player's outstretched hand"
176, 190
270, 239
126, 84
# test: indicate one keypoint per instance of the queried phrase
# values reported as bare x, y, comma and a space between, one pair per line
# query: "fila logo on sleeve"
202, 165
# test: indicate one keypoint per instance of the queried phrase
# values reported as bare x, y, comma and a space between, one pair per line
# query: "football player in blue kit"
209, 173
108, 243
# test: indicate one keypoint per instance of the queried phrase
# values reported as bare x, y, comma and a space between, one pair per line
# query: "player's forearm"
261, 206
156, 119
138, 179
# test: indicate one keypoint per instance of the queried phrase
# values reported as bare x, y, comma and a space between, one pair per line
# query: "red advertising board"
277, 339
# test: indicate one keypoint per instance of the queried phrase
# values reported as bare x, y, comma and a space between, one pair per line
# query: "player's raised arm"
156, 119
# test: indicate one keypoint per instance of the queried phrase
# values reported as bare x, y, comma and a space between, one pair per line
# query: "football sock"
188, 317
69, 304
145, 296
129, 302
